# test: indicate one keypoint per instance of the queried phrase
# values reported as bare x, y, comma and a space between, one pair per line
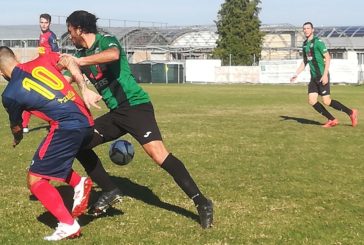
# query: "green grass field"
275, 175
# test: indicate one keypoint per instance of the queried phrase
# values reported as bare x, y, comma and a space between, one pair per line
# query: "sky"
185, 12
319, 12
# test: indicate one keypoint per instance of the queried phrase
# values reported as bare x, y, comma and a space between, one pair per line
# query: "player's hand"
64, 55
324, 79
17, 132
293, 78
16, 142
91, 98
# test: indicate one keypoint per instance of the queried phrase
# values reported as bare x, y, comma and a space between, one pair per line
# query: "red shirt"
48, 43
39, 86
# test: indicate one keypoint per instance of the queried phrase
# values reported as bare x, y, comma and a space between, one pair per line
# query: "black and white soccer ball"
121, 152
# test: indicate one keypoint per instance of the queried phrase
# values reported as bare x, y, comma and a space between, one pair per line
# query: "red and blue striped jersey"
48, 43
39, 86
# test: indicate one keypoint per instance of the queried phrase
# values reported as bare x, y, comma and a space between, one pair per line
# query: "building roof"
178, 37
340, 31
24, 32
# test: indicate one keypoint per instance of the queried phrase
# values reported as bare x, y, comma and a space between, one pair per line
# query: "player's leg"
172, 165
157, 151
50, 198
82, 188
324, 91
314, 90
81, 185
337, 105
105, 130
53, 161
352, 113
111, 194
141, 124
312, 98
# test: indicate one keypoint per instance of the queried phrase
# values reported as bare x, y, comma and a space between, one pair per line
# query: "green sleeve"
321, 47
108, 41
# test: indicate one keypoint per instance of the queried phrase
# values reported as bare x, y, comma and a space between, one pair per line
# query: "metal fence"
158, 73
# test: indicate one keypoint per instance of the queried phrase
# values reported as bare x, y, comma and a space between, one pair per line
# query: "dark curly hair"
83, 20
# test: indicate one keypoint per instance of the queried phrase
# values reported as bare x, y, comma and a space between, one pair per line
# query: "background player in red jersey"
47, 38
47, 44
39, 86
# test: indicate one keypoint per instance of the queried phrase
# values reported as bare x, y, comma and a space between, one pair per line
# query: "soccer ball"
121, 152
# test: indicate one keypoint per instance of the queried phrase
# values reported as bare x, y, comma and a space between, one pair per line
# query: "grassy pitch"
258, 151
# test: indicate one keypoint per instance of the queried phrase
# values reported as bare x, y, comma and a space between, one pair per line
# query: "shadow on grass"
300, 120
67, 195
147, 196
128, 187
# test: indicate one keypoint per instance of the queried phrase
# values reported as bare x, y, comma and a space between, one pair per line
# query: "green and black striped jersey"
313, 54
114, 80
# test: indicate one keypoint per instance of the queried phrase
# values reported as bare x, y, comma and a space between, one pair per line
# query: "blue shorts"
54, 156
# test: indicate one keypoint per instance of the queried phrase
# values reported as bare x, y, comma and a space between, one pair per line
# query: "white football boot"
64, 231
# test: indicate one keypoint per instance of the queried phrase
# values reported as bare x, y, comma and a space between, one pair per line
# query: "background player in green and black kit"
104, 62
316, 55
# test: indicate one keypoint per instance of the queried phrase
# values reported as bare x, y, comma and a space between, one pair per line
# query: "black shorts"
139, 121
315, 86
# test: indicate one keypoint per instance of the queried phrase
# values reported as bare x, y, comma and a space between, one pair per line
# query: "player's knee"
156, 151
312, 101
327, 102
160, 158
32, 180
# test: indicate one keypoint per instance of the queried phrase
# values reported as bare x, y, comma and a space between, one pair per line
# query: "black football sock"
95, 170
340, 107
183, 179
322, 110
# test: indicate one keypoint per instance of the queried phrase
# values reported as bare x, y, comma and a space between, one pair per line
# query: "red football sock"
51, 200
73, 178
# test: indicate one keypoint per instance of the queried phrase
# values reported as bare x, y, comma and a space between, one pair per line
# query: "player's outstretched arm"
105, 56
89, 97
298, 71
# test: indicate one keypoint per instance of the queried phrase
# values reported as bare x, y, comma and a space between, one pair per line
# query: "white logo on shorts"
324, 92
95, 131
146, 135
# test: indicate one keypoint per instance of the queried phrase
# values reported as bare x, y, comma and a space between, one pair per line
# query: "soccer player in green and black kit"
316, 55
104, 62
